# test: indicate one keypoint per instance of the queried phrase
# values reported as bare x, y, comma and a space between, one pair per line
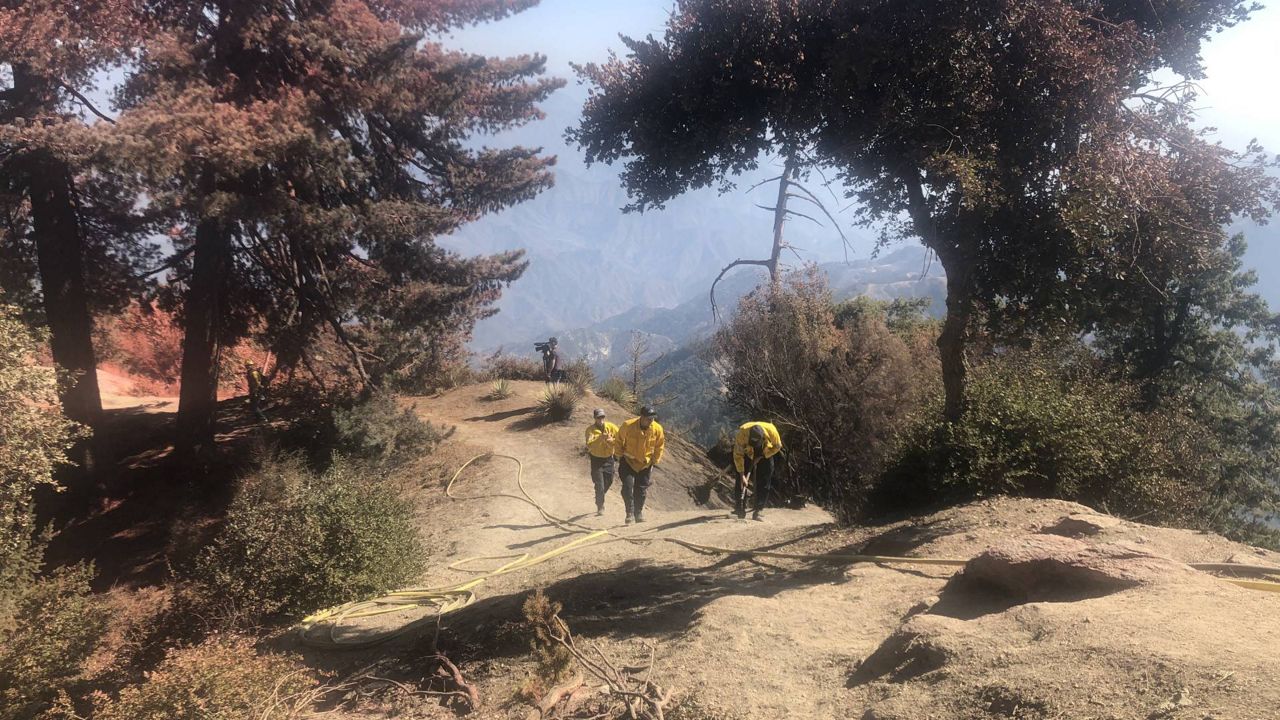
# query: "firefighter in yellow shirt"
257, 389
756, 443
601, 437
640, 443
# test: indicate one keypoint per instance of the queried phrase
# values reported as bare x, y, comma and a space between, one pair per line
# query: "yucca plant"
615, 389
559, 403
499, 390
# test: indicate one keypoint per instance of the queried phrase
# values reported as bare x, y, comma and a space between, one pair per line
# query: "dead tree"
641, 364
792, 171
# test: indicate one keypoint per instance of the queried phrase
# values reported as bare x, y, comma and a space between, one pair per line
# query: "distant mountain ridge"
604, 343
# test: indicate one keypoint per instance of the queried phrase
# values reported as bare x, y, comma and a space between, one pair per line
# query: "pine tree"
314, 151
61, 214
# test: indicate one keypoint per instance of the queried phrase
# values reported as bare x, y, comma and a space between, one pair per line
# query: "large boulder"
1055, 568
1083, 524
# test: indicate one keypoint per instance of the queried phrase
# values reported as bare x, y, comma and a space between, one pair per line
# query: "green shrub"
513, 367
499, 390
45, 642
558, 404
1049, 425
221, 679
615, 389
34, 439
295, 541
378, 430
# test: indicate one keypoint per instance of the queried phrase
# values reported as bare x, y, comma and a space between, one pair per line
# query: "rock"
918, 647
1049, 567
1180, 700
1082, 524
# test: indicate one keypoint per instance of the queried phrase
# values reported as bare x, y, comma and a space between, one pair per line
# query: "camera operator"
550, 361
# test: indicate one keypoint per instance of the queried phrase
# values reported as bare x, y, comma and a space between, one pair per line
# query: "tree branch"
85, 102
715, 315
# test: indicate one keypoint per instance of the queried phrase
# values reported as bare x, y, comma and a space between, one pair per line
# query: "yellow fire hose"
445, 599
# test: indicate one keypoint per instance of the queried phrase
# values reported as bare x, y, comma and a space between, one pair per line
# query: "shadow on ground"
123, 515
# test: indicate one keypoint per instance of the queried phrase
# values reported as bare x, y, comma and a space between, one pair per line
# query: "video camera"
542, 346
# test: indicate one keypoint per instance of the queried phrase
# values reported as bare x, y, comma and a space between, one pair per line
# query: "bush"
45, 642
615, 389
559, 403
838, 392
580, 375
294, 542
499, 390
513, 367
378, 430
1049, 424
221, 679
34, 439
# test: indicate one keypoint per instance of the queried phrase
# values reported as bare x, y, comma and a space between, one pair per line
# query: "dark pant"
255, 405
762, 477
635, 486
601, 477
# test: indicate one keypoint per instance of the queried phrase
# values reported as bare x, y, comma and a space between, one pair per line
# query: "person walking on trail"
551, 362
257, 389
601, 439
639, 445
754, 447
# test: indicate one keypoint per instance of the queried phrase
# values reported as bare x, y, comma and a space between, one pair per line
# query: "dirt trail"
1136, 634
556, 474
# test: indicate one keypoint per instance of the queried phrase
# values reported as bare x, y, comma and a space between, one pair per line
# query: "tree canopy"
311, 154
1020, 140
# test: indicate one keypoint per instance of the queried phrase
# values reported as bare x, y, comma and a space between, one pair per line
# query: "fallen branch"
547, 705
462, 692
451, 672
642, 698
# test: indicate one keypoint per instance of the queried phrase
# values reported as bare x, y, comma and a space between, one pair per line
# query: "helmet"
756, 434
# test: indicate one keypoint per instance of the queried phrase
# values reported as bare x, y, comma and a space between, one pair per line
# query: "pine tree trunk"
59, 254
203, 309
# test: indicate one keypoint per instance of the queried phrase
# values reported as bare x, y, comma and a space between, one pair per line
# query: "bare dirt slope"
1064, 613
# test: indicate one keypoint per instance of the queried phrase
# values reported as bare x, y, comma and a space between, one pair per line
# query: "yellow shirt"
641, 448
600, 440
742, 443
